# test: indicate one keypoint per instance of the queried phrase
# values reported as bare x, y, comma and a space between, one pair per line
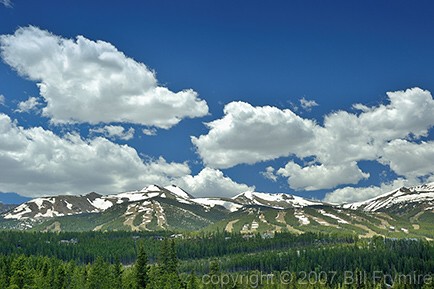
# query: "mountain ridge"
404, 212
12, 198
398, 200
65, 205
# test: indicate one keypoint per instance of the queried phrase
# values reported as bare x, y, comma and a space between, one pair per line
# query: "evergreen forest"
161, 260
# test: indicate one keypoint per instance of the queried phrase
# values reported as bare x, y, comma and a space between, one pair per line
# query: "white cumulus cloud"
269, 173
149, 131
248, 134
36, 162
85, 81
211, 183
30, 104
2, 99
115, 132
315, 177
410, 160
386, 133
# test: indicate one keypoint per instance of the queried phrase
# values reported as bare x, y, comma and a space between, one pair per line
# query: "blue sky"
296, 93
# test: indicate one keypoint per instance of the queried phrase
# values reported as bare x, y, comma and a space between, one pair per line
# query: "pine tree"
192, 281
60, 278
117, 274
4, 272
142, 269
78, 278
214, 270
172, 281
18, 278
98, 276
163, 261
168, 266
172, 266
154, 278
129, 279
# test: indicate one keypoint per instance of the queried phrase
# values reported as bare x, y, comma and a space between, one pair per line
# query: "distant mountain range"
12, 198
405, 212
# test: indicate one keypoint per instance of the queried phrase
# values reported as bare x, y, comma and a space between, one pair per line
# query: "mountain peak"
92, 196
247, 195
179, 192
398, 200
151, 188
276, 200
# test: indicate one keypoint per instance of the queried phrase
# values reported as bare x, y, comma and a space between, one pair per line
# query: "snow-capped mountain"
48, 207
171, 208
228, 204
277, 201
399, 200
151, 208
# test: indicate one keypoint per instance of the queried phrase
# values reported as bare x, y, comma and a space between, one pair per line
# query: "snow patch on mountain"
18, 212
101, 204
68, 205
212, 202
184, 201
48, 214
401, 197
133, 196
277, 201
340, 220
39, 201
178, 192
301, 217
146, 200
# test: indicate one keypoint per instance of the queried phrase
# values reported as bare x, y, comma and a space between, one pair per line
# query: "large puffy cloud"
409, 112
211, 183
98, 83
346, 137
36, 162
315, 177
351, 137
248, 134
411, 160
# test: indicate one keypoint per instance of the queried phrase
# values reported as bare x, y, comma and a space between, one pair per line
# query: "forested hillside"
124, 260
